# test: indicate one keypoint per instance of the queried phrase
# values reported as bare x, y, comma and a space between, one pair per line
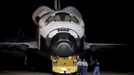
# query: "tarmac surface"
42, 73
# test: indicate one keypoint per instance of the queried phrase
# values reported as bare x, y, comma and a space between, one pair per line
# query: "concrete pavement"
42, 73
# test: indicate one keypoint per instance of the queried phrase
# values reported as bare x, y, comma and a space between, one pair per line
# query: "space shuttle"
63, 30
60, 32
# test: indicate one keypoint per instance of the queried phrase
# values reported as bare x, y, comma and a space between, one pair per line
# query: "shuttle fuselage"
62, 30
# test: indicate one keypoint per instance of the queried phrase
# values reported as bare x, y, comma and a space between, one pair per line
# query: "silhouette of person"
96, 68
79, 63
84, 67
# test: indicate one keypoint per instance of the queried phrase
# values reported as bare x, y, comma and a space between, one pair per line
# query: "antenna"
57, 4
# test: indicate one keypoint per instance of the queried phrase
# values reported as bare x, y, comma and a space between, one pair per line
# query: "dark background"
105, 21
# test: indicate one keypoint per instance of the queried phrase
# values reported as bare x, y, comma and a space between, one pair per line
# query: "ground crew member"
79, 63
96, 68
84, 67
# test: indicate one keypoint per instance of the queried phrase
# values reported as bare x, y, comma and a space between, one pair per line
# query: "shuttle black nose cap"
64, 49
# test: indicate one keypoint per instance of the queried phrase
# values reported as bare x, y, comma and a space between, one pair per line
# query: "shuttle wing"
32, 45
95, 46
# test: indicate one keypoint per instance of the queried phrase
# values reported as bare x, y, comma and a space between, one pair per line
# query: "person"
79, 63
96, 68
84, 67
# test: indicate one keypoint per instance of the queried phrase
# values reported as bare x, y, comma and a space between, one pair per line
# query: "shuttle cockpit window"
74, 19
50, 19
57, 18
68, 18
62, 16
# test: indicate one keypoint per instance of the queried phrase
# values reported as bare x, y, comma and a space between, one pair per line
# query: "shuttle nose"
63, 45
64, 49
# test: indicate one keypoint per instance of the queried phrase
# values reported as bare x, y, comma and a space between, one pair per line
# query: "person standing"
96, 68
79, 63
84, 67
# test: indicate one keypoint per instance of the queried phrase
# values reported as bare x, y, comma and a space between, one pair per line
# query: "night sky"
104, 20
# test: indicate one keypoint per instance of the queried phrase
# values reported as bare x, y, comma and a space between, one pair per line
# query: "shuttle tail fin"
57, 4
